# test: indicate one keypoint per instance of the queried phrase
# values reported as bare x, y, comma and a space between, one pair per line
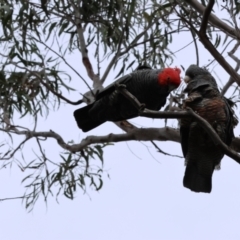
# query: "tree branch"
183, 114
84, 51
209, 46
230, 81
46, 85
204, 124
165, 153
206, 15
138, 134
213, 19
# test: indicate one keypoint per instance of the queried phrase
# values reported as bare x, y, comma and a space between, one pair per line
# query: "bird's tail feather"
83, 119
195, 181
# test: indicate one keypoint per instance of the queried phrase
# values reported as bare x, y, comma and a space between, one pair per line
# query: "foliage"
73, 172
121, 33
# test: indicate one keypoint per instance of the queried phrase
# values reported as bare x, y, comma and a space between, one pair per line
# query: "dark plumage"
149, 86
200, 152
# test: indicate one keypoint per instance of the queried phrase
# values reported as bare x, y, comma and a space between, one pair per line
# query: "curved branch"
85, 58
139, 134
204, 124
214, 20
206, 15
230, 81
196, 47
209, 46
182, 114
60, 95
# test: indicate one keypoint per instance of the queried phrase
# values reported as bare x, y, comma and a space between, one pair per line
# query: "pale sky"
144, 197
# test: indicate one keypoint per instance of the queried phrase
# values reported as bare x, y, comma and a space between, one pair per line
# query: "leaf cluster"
75, 171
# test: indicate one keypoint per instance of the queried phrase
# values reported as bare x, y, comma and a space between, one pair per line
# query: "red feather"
170, 76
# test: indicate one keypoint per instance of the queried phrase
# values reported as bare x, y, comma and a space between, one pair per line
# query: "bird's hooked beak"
186, 79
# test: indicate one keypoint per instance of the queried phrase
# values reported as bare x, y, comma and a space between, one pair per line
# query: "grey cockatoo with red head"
151, 87
201, 154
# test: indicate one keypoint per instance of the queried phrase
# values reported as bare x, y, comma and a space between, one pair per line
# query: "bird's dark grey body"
201, 154
142, 84
111, 105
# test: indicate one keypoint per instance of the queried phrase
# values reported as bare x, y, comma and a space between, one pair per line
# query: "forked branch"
184, 114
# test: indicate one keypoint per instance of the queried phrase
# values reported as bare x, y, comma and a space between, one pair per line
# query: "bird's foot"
117, 85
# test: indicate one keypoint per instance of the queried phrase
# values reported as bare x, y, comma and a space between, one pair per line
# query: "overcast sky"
144, 197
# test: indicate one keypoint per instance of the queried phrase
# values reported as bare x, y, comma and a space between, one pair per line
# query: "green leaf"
53, 25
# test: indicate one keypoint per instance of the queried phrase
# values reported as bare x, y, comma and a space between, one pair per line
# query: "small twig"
15, 150
196, 47
37, 74
161, 151
13, 198
60, 95
226, 46
230, 81
49, 48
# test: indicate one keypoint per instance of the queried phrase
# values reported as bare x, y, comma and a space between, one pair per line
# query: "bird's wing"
184, 134
110, 88
193, 98
232, 121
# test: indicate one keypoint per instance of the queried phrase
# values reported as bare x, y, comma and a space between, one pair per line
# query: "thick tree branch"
206, 15
209, 46
183, 114
84, 51
204, 124
214, 20
164, 115
136, 134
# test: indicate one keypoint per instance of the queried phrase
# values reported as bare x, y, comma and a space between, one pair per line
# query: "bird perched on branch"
202, 155
150, 87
